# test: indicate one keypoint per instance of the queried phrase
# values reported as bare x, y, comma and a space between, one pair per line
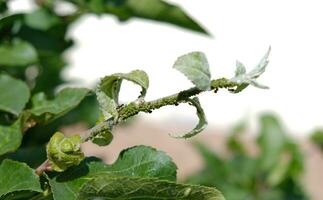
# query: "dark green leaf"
17, 176
108, 90
144, 161
201, 124
18, 53
3, 7
109, 187
139, 161
157, 10
36, 155
10, 137
196, 68
67, 99
9, 25
14, 94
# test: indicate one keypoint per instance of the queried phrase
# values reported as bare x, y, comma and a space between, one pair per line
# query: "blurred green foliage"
317, 138
273, 174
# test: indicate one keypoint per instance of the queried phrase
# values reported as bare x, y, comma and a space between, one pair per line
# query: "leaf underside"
109, 187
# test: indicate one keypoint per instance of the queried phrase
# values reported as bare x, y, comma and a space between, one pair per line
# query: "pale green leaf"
14, 94
17, 176
109, 87
245, 79
240, 68
201, 124
196, 68
139, 161
108, 187
41, 19
10, 137
45, 110
18, 53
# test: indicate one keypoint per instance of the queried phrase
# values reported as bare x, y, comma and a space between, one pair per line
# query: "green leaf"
139, 161
41, 19
234, 143
108, 90
10, 137
109, 187
215, 167
271, 141
14, 94
201, 124
162, 11
45, 110
3, 7
17, 176
279, 172
157, 10
196, 68
144, 161
245, 79
18, 53
64, 152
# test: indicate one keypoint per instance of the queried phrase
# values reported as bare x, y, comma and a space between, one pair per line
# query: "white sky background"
241, 30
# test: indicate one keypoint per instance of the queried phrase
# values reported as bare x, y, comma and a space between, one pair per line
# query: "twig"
134, 108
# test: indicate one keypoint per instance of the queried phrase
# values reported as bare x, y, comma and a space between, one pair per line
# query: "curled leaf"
195, 67
108, 90
64, 152
245, 79
102, 135
201, 124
